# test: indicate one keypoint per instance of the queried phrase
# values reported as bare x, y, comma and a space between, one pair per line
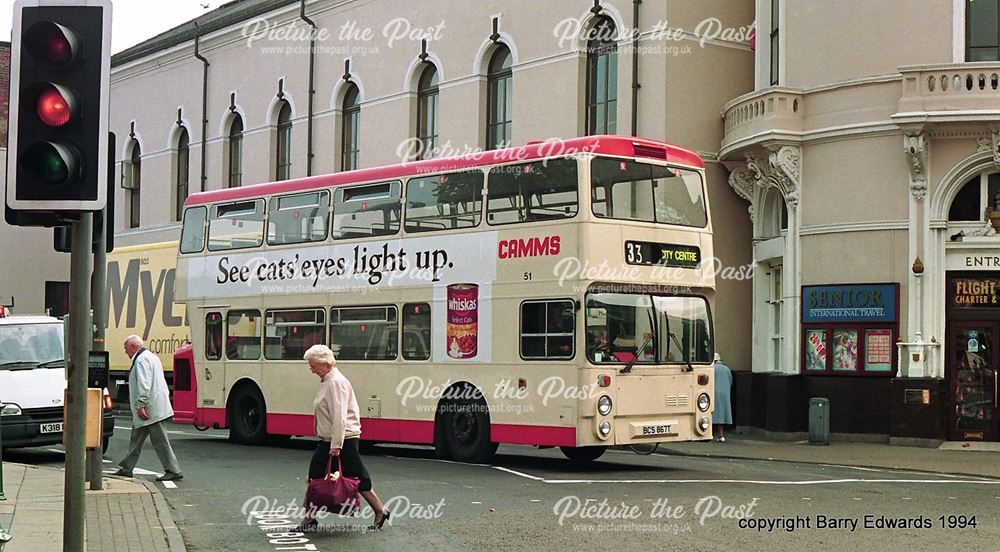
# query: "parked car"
33, 382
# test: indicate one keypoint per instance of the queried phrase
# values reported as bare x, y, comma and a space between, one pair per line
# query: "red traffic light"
55, 106
51, 43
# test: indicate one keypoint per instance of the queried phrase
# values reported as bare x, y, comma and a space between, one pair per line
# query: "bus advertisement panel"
140, 292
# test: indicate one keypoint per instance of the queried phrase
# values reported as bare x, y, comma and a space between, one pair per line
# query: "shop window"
850, 329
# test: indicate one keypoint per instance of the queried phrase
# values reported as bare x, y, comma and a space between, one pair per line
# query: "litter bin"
819, 421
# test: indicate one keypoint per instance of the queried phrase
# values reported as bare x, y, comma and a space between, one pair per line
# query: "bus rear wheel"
247, 417
583, 454
467, 431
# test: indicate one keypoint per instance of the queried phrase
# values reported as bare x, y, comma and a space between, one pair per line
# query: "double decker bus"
553, 294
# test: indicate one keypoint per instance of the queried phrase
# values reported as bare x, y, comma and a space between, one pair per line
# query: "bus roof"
623, 146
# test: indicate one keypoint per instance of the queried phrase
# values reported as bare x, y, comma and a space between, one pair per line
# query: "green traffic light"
49, 162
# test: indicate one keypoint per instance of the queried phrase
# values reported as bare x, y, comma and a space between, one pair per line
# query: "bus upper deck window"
193, 230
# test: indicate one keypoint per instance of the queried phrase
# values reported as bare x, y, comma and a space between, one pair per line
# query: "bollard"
819, 421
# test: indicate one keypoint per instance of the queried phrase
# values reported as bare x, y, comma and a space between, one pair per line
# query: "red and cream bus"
554, 294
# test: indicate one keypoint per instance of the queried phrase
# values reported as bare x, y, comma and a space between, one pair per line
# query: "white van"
33, 381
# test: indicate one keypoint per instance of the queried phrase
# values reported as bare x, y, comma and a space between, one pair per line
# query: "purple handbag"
335, 492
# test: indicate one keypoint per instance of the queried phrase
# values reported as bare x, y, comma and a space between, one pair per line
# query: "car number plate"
56, 427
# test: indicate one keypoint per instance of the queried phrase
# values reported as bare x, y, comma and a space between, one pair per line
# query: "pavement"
128, 515
956, 458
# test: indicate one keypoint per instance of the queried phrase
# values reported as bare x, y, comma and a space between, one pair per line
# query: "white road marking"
855, 498
169, 484
743, 481
106, 461
123, 428
140, 471
476, 502
519, 474
806, 498
860, 468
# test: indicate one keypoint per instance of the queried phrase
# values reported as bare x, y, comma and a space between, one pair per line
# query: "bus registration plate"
649, 430
55, 427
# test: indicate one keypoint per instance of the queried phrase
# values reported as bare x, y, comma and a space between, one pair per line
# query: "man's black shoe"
122, 472
170, 476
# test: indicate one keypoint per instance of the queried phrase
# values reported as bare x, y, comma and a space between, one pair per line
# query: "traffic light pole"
74, 510
99, 306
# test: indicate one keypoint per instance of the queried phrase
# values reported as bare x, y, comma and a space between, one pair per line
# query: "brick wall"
4, 90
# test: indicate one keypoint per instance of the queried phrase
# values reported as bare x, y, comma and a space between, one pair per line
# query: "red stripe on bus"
554, 436
622, 146
401, 431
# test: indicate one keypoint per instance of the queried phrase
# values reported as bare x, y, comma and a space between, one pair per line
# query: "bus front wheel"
583, 454
467, 432
247, 417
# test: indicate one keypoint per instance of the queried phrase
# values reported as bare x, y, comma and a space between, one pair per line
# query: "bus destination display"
662, 254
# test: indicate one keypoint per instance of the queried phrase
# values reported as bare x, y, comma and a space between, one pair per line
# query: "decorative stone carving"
792, 199
915, 147
990, 144
782, 170
785, 166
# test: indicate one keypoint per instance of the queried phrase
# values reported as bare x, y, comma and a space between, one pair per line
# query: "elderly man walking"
150, 403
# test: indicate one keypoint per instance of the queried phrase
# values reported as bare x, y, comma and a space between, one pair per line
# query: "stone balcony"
770, 114
949, 93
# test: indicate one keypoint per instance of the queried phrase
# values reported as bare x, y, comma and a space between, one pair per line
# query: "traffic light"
57, 143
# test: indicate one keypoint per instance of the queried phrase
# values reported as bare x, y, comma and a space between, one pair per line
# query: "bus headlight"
703, 424
704, 402
604, 405
10, 409
604, 428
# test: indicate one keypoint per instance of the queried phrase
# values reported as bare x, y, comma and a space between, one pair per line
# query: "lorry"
140, 284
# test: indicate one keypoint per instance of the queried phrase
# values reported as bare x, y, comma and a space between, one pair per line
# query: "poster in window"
816, 350
845, 350
878, 350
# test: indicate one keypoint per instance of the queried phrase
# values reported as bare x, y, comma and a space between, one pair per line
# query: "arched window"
427, 112
283, 143
773, 215
602, 78
236, 151
133, 182
183, 172
971, 201
349, 146
499, 98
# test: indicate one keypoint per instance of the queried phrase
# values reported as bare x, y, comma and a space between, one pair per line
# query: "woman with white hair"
338, 424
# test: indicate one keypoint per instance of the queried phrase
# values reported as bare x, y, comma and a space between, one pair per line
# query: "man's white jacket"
148, 388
